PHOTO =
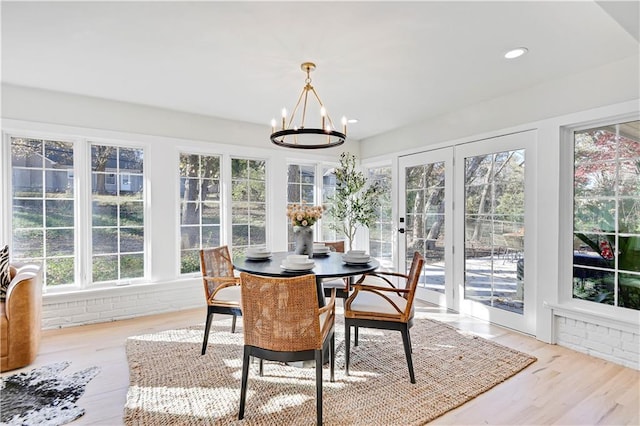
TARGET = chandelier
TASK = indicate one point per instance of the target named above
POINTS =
(297, 135)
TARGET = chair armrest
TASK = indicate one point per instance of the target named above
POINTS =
(329, 319)
(367, 287)
(218, 284)
(23, 309)
(379, 291)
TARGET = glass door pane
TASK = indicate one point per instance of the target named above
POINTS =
(494, 229)
(425, 221)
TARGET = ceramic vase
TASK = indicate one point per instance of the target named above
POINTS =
(303, 240)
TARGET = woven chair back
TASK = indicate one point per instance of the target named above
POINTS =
(215, 262)
(280, 314)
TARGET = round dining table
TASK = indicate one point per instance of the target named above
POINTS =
(329, 265)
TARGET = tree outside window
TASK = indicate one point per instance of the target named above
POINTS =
(606, 220)
(199, 207)
(249, 204)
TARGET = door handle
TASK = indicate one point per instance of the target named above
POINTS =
(401, 230)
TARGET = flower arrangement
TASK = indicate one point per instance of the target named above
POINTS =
(303, 215)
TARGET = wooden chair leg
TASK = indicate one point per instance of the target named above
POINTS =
(347, 347)
(332, 354)
(356, 336)
(406, 340)
(207, 328)
(245, 377)
(233, 324)
(261, 367)
(318, 356)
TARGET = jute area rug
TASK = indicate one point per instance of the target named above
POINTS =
(172, 384)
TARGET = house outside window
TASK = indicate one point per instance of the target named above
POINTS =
(606, 217)
(117, 221)
(43, 202)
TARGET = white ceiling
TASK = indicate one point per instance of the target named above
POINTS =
(385, 63)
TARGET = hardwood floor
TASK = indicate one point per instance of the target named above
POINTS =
(563, 387)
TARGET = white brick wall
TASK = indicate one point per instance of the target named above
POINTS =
(119, 303)
(602, 341)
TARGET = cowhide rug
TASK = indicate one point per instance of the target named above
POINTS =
(43, 396)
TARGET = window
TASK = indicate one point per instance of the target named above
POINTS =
(301, 187)
(248, 206)
(117, 213)
(43, 207)
(328, 190)
(199, 207)
(381, 230)
(606, 216)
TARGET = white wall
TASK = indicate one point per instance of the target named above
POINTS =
(44, 106)
(613, 83)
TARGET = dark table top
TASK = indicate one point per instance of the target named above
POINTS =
(326, 266)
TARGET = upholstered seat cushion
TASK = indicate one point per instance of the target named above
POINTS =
(229, 294)
(330, 283)
(366, 301)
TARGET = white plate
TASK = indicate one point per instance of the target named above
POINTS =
(260, 257)
(356, 258)
(249, 253)
(301, 267)
(356, 262)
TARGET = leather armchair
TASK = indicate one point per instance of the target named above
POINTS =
(20, 317)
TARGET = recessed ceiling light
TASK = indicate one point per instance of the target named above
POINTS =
(352, 120)
(516, 53)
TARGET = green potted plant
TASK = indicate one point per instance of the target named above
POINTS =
(355, 201)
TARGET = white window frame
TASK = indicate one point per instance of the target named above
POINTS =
(228, 211)
(605, 314)
(81, 175)
(222, 158)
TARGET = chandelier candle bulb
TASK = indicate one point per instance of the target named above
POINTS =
(284, 117)
(344, 124)
(273, 125)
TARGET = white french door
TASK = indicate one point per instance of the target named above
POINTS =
(474, 253)
(494, 195)
(425, 212)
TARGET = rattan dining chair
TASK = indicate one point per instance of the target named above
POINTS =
(221, 287)
(377, 303)
(283, 322)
